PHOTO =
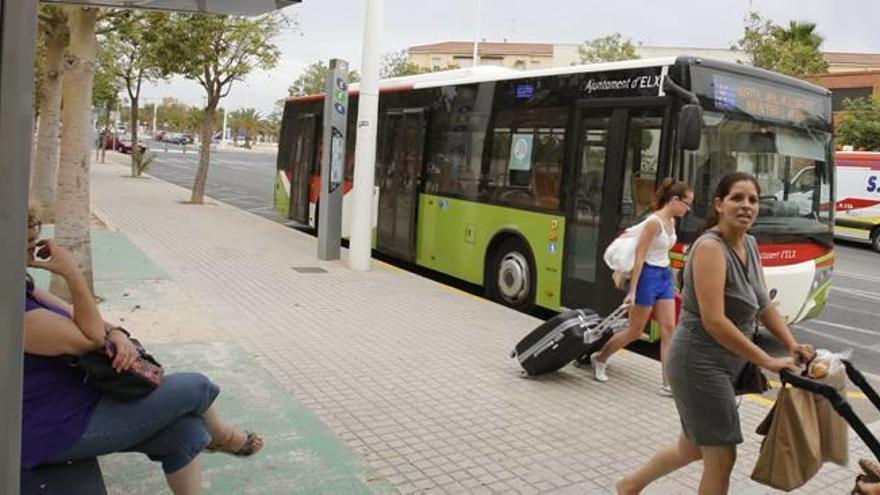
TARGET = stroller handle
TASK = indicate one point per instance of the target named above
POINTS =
(839, 403)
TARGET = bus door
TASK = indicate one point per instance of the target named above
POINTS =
(303, 166)
(398, 175)
(616, 161)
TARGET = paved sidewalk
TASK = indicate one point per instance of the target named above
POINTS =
(413, 377)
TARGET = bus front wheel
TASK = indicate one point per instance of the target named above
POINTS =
(875, 239)
(511, 280)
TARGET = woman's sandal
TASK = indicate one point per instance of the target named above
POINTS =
(871, 469)
(247, 449)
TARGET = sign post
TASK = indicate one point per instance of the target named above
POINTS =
(333, 160)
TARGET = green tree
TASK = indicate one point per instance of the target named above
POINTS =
(217, 51)
(105, 93)
(794, 51)
(609, 48)
(312, 80)
(131, 56)
(860, 124)
(397, 64)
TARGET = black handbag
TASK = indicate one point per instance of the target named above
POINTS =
(751, 380)
(143, 377)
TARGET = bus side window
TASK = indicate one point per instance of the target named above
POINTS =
(640, 170)
(527, 151)
(455, 150)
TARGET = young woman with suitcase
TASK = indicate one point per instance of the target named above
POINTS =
(650, 285)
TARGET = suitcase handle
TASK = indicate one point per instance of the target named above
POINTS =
(605, 324)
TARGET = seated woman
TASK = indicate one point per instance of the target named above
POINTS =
(66, 419)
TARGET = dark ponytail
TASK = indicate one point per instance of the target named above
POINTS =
(668, 189)
(722, 190)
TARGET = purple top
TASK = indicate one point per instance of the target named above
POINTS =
(56, 406)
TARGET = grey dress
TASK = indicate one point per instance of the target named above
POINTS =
(701, 371)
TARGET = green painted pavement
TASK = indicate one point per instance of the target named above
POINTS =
(300, 455)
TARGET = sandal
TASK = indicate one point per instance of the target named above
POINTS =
(252, 444)
(871, 469)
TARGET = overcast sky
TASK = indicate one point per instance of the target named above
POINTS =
(333, 28)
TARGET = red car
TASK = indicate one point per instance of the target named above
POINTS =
(124, 146)
(121, 144)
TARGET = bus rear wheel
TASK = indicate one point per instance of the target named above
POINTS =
(511, 279)
(875, 239)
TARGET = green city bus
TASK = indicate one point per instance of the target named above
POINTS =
(517, 180)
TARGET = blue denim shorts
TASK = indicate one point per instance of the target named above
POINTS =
(655, 284)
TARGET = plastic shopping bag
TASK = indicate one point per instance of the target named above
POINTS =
(620, 255)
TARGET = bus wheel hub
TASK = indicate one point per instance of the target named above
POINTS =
(513, 277)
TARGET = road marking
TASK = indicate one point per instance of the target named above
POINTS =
(857, 276)
(869, 295)
(851, 309)
(759, 399)
(846, 327)
(833, 337)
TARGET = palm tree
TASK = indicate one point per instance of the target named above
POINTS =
(800, 33)
(250, 124)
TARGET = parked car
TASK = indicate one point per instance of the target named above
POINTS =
(125, 146)
(175, 138)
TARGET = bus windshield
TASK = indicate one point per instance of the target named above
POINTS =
(790, 163)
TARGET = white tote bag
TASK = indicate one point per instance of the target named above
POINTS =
(620, 255)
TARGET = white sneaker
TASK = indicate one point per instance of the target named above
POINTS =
(598, 368)
(665, 391)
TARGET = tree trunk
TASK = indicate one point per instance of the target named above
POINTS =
(135, 156)
(198, 190)
(72, 211)
(45, 171)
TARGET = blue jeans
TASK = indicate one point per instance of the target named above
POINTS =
(166, 425)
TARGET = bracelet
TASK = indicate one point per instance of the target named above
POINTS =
(109, 328)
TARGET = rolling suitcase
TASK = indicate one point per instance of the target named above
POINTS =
(564, 338)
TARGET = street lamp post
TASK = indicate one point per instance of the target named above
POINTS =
(223, 136)
(365, 147)
(476, 53)
(155, 113)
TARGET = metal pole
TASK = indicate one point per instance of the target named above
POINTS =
(223, 137)
(155, 113)
(365, 148)
(18, 26)
(476, 54)
(333, 160)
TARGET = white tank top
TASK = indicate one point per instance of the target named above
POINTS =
(658, 252)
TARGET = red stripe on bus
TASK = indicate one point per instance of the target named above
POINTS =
(853, 203)
(774, 254)
(790, 254)
(315, 188)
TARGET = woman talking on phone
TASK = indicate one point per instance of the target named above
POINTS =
(65, 418)
(650, 285)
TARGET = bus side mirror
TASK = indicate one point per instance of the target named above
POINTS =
(690, 127)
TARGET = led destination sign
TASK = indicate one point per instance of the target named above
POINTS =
(766, 102)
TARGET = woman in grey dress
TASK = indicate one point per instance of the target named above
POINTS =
(723, 295)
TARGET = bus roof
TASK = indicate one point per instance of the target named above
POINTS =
(486, 73)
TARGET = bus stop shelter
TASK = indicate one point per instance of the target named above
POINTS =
(18, 26)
